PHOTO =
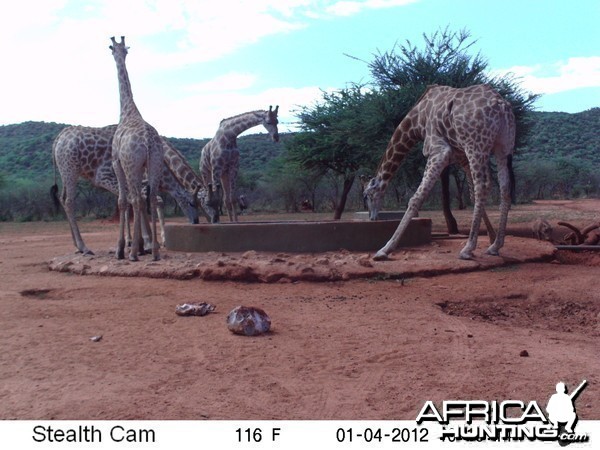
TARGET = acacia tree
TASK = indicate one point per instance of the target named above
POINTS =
(347, 131)
(445, 59)
(337, 137)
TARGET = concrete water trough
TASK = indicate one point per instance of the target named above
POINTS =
(293, 236)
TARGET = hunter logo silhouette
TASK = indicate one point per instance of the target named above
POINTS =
(561, 406)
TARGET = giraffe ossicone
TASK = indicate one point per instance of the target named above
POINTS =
(468, 124)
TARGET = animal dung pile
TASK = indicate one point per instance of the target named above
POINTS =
(248, 321)
(194, 309)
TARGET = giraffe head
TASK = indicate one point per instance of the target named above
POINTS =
(119, 49)
(211, 201)
(270, 123)
(191, 209)
(373, 196)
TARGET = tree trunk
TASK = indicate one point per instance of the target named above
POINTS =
(348, 182)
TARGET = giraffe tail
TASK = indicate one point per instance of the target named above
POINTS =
(54, 188)
(148, 202)
(54, 195)
(511, 174)
(149, 185)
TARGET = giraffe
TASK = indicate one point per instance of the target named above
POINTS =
(465, 123)
(205, 195)
(86, 152)
(220, 157)
(136, 148)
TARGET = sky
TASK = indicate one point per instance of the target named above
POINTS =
(194, 62)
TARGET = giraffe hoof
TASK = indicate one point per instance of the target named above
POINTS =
(380, 256)
(133, 258)
(465, 256)
(492, 251)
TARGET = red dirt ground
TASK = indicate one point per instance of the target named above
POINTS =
(373, 348)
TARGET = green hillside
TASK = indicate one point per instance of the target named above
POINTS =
(26, 149)
(559, 158)
(555, 134)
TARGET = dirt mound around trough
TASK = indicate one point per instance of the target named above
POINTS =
(439, 257)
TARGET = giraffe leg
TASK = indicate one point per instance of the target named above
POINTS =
(123, 205)
(439, 158)
(160, 212)
(489, 227)
(488, 224)
(146, 241)
(145, 244)
(216, 200)
(153, 213)
(154, 170)
(67, 199)
(137, 203)
(128, 221)
(504, 181)
(134, 190)
(128, 236)
(227, 196)
(481, 180)
(233, 174)
(219, 190)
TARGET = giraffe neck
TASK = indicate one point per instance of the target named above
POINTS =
(128, 107)
(233, 126)
(180, 168)
(406, 135)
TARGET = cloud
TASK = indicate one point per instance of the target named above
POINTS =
(63, 71)
(348, 8)
(574, 73)
(199, 115)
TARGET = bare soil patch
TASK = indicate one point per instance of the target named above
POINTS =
(346, 348)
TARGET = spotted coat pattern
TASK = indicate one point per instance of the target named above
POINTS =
(467, 124)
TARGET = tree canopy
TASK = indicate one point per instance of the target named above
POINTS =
(346, 131)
